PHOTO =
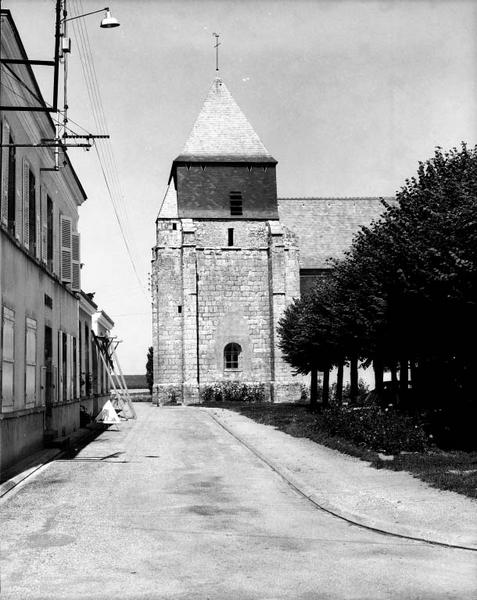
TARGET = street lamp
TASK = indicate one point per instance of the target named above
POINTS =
(106, 23)
(60, 48)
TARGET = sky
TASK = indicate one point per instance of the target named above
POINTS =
(348, 96)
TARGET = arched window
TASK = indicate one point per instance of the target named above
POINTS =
(231, 356)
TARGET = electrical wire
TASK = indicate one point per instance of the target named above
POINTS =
(103, 147)
(54, 118)
(120, 224)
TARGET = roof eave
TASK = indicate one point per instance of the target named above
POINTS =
(214, 159)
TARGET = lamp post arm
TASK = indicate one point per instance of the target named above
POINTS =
(85, 15)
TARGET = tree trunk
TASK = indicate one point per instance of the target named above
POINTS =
(394, 377)
(353, 373)
(403, 376)
(413, 368)
(378, 376)
(314, 389)
(325, 397)
(339, 384)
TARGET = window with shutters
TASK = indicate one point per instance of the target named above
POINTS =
(30, 361)
(49, 233)
(236, 208)
(8, 356)
(23, 233)
(75, 263)
(32, 215)
(231, 357)
(75, 367)
(65, 249)
(64, 366)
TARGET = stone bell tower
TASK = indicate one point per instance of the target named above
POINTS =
(223, 266)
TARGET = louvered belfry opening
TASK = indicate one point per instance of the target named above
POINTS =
(236, 206)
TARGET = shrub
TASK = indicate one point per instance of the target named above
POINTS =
(371, 427)
(233, 391)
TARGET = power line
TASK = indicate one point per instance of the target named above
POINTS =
(120, 225)
(54, 118)
(103, 149)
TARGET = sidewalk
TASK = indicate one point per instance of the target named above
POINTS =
(26, 467)
(393, 502)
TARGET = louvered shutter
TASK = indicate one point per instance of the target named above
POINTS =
(44, 227)
(38, 206)
(26, 204)
(59, 393)
(22, 215)
(69, 370)
(76, 263)
(65, 249)
(5, 174)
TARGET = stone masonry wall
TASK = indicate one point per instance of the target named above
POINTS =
(233, 300)
(167, 313)
(284, 287)
(228, 294)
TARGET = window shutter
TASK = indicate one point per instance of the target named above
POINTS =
(69, 370)
(76, 263)
(8, 357)
(59, 388)
(44, 227)
(5, 174)
(38, 226)
(26, 204)
(65, 248)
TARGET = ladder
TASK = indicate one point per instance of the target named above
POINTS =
(121, 399)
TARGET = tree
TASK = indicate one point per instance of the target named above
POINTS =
(149, 369)
(417, 271)
(308, 336)
(406, 291)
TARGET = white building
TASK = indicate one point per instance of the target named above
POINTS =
(40, 339)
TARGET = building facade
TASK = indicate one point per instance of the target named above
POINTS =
(40, 345)
(230, 256)
(223, 268)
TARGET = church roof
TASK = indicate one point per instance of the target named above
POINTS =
(325, 227)
(222, 132)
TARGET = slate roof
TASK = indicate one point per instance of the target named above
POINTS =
(325, 227)
(222, 132)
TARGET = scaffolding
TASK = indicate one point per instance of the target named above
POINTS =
(120, 397)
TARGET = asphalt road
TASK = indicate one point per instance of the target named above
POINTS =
(173, 506)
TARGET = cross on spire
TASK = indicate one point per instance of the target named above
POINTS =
(217, 44)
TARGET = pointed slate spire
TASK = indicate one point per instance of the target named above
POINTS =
(222, 132)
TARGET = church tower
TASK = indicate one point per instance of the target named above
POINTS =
(223, 267)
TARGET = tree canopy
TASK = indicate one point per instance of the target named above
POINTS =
(408, 285)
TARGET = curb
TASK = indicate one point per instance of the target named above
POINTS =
(357, 519)
(40, 459)
(11, 483)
